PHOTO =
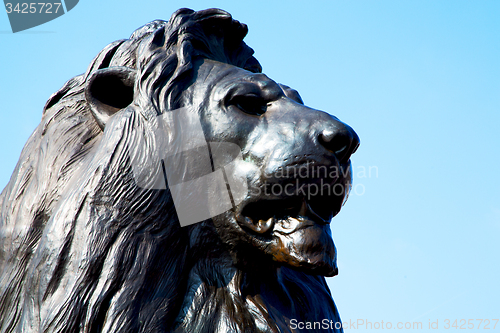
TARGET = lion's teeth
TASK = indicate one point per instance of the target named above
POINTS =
(290, 224)
(244, 219)
(264, 226)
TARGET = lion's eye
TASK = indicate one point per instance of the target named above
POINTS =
(251, 104)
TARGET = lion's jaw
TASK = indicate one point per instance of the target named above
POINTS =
(280, 138)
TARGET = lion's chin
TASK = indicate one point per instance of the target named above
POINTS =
(305, 246)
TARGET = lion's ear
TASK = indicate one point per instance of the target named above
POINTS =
(109, 90)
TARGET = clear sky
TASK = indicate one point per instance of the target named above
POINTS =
(419, 81)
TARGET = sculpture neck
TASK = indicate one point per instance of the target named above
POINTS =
(218, 293)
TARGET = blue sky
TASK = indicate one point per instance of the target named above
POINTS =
(419, 81)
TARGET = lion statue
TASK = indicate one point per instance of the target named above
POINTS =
(89, 244)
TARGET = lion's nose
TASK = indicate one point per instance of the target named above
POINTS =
(340, 139)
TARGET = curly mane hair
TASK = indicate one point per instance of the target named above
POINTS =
(83, 248)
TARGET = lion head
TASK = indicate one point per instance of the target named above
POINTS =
(89, 243)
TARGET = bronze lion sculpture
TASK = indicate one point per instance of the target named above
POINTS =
(84, 247)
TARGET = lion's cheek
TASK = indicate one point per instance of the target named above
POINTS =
(310, 250)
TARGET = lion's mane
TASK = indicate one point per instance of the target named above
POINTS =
(82, 247)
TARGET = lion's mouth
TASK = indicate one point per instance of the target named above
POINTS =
(289, 214)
